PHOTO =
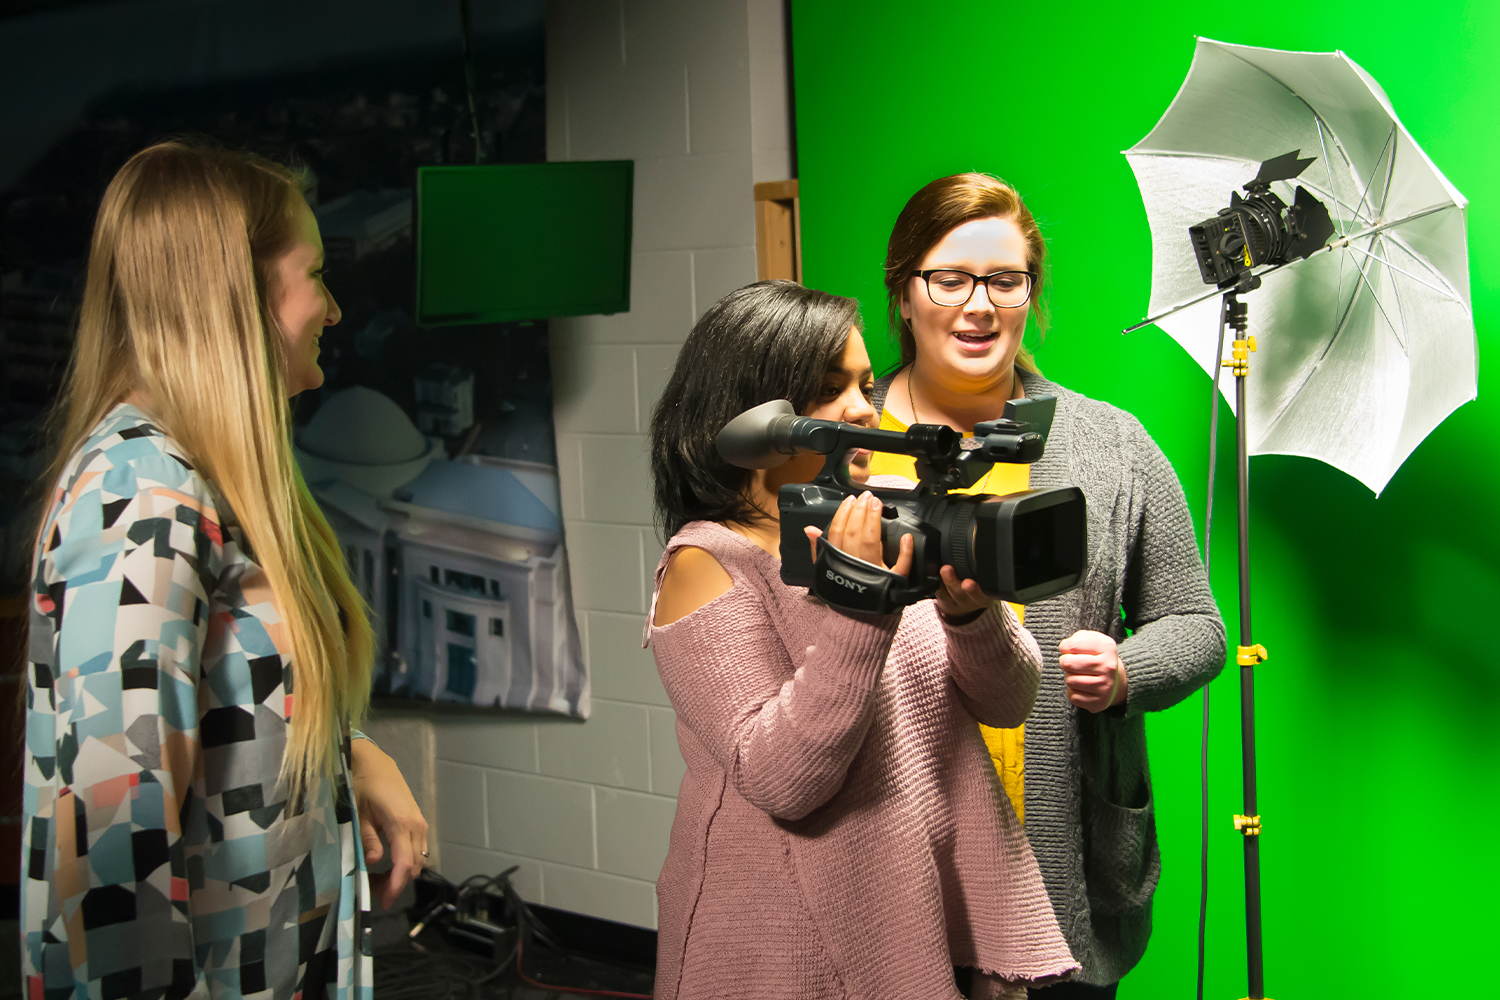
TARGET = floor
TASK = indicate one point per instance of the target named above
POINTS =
(433, 968)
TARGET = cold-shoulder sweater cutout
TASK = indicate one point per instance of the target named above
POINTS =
(840, 831)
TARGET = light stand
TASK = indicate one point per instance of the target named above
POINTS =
(1235, 316)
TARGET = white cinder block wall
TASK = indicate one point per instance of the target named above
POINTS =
(695, 93)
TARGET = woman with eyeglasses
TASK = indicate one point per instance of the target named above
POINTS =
(964, 268)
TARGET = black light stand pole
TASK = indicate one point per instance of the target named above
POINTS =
(1249, 654)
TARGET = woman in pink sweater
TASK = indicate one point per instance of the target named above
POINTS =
(840, 832)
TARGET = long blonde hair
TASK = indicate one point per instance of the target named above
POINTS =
(178, 306)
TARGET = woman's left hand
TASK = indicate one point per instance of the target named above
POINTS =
(386, 807)
(1092, 670)
(960, 599)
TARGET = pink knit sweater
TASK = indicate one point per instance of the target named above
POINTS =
(840, 832)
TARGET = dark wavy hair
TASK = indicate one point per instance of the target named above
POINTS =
(769, 340)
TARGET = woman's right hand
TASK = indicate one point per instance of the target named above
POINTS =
(855, 531)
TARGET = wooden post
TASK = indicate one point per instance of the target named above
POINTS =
(778, 231)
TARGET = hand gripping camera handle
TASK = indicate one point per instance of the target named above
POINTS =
(846, 582)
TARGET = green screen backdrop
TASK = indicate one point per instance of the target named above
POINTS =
(1379, 709)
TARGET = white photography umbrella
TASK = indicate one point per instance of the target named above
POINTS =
(1364, 347)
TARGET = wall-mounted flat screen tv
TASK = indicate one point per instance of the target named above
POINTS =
(523, 241)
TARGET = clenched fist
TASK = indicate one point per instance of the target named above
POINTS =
(1092, 670)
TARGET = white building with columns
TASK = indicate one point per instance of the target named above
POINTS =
(461, 562)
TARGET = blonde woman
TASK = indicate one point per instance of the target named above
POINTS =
(198, 652)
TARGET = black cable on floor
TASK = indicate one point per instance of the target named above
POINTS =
(530, 928)
(405, 975)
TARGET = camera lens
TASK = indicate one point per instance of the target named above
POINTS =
(1023, 547)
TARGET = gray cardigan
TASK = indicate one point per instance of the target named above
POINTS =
(1089, 811)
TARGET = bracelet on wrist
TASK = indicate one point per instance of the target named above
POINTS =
(959, 620)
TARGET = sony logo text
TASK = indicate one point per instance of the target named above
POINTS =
(842, 582)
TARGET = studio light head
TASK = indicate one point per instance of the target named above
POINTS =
(1022, 547)
(1261, 229)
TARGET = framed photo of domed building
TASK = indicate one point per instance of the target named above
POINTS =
(431, 450)
(458, 549)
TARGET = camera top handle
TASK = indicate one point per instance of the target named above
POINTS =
(765, 436)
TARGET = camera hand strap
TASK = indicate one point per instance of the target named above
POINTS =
(846, 582)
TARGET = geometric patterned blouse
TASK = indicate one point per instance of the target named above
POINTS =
(160, 858)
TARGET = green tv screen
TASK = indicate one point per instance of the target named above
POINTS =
(522, 241)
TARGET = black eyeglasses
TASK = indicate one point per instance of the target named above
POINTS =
(949, 287)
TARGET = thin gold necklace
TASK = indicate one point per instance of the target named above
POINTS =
(912, 402)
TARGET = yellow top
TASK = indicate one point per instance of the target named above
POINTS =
(1007, 746)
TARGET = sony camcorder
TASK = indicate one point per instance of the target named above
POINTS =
(1022, 547)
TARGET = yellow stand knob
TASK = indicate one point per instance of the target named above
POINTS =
(1248, 825)
(1240, 356)
(1249, 656)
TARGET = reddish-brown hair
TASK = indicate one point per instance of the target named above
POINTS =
(934, 212)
